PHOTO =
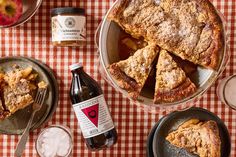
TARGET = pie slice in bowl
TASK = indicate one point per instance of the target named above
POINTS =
(191, 29)
(132, 73)
(201, 138)
(172, 84)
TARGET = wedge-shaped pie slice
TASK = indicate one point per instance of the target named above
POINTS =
(132, 73)
(16, 91)
(201, 138)
(172, 84)
(19, 97)
(191, 29)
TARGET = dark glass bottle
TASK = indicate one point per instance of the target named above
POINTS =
(91, 110)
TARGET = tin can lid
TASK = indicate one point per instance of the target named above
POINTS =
(75, 66)
(67, 10)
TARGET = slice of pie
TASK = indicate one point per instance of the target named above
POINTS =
(132, 73)
(19, 97)
(17, 91)
(172, 84)
(191, 29)
(201, 138)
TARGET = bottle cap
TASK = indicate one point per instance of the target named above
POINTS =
(75, 66)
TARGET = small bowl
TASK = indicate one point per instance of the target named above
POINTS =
(29, 9)
(60, 127)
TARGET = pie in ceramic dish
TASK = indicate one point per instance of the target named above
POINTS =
(200, 138)
(190, 29)
(17, 90)
(172, 84)
(132, 73)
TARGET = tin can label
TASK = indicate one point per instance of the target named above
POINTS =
(93, 116)
(68, 28)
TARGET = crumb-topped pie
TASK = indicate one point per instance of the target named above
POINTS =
(172, 84)
(132, 73)
(191, 29)
(201, 138)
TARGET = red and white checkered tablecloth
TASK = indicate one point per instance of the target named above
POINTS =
(133, 124)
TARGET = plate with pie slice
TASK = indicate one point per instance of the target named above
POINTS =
(19, 82)
(192, 33)
(195, 132)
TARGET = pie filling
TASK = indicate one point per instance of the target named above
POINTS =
(3, 110)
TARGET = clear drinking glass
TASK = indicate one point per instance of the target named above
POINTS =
(226, 91)
(54, 141)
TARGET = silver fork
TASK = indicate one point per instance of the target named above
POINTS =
(38, 103)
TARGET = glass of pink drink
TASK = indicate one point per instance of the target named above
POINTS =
(226, 91)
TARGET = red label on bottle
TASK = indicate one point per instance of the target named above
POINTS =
(92, 113)
(93, 116)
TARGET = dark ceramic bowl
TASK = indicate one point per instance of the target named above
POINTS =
(149, 150)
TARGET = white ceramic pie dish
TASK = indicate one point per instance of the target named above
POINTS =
(109, 32)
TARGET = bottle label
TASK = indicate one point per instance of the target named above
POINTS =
(93, 116)
(68, 28)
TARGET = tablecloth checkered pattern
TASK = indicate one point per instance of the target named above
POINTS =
(32, 39)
